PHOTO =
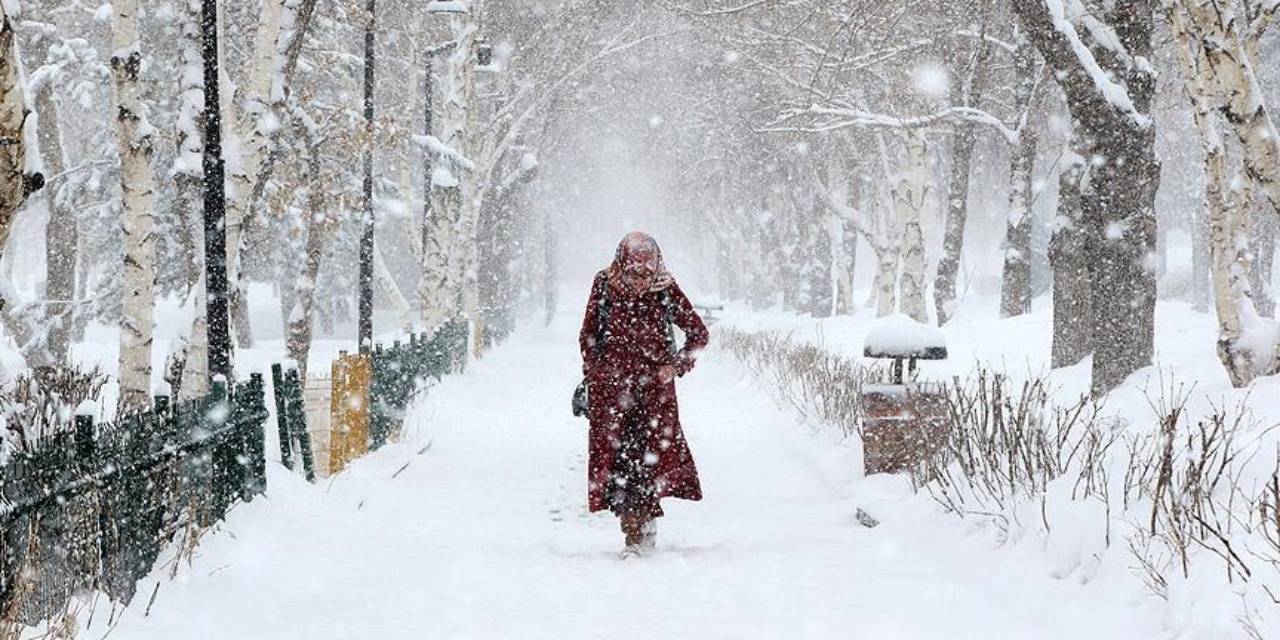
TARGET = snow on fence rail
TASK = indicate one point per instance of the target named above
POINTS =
(91, 506)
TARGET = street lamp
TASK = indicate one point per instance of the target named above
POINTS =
(215, 201)
(365, 329)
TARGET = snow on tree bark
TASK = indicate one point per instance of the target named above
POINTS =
(1072, 306)
(957, 216)
(1227, 65)
(15, 184)
(1227, 213)
(1110, 109)
(134, 137)
(1015, 289)
(909, 199)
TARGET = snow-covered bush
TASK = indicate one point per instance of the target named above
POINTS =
(39, 404)
(811, 380)
(1186, 505)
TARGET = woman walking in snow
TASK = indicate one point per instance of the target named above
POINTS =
(637, 451)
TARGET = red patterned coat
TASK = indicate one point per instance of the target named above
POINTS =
(622, 378)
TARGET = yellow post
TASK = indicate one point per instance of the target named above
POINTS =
(349, 407)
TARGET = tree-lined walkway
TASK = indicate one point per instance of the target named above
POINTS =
(484, 535)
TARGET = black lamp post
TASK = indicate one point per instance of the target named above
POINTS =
(366, 238)
(215, 199)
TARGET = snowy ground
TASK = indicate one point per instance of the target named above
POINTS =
(475, 527)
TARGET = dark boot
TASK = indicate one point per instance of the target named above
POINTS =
(633, 529)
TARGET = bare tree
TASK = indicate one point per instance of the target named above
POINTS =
(16, 177)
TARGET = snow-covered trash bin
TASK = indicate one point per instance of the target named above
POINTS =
(904, 421)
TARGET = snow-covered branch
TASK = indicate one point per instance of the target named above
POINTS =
(833, 118)
(1110, 90)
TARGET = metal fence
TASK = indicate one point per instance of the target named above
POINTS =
(400, 370)
(91, 507)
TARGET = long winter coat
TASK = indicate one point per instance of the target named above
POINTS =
(622, 378)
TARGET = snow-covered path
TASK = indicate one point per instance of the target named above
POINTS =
(484, 534)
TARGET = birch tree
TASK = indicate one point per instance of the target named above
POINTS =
(1227, 208)
(282, 25)
(909, 201)
(61, 234)
(453, 181)
(1015, 289)
(134, 136)
(968, 85)
(16, 174)
(1223, 31)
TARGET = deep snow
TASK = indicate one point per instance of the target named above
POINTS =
(484, 534)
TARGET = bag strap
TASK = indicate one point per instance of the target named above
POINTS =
(668, 312)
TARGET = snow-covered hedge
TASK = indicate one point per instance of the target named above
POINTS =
(1187, 506)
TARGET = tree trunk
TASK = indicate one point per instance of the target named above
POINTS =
(910, 198)
(448, 248)
(195, 371)
(133, 134)
(61, 235)
(466, 268)
(1119, 203)
(1201, 293)
(1228, 217)
(14, 183)
(188, 176)
(300, 318)
(1221, 30)
(187, 171)
(848, 250)
(1265, 224)
(821, 285)
(550, 283)
(254, 143)
(944, 284)
(1072, 311)
(1015, 289)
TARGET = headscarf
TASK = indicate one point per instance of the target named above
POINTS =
(638, 248)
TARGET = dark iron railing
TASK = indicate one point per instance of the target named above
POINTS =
(91, 507)
(400, 371)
